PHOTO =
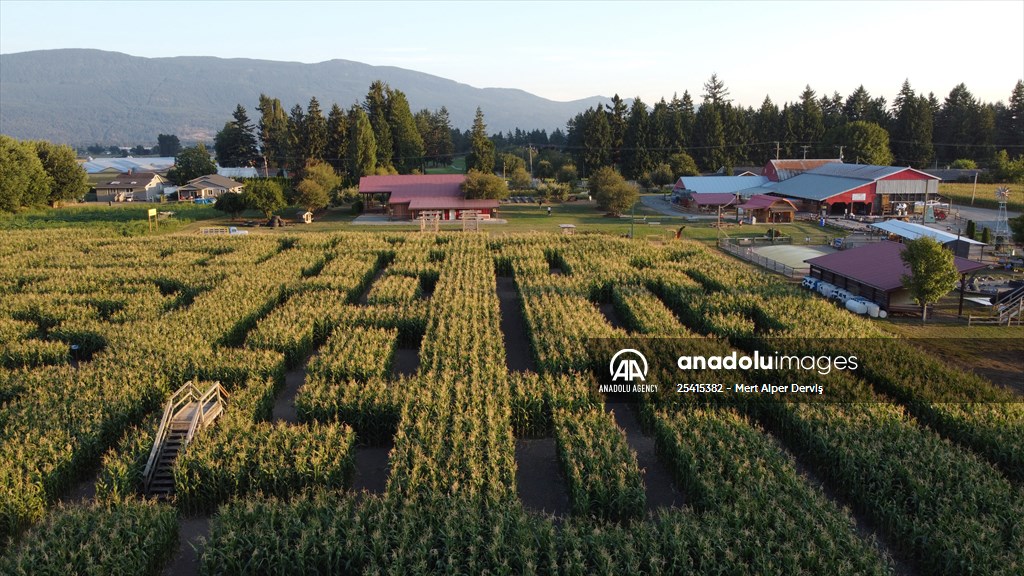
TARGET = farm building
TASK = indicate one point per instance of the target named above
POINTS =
(856, 189)
(875, 272)
(209, 186)
(960, 245)
(405, 197)
(710, 201)
(767, 209)
(131, 187)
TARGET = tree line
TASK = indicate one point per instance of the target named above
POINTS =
(380, 135)
(915, 130)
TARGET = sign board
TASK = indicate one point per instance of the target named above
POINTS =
(862, 197)
(152, 212)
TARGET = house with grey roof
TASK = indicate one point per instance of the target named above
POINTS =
(209, 186)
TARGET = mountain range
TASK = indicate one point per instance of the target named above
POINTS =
(81, 97)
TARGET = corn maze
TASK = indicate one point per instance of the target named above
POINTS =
(903, 474)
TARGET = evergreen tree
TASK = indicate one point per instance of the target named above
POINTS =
(273, 132)
(687, 118)
(337, 138)
(660, 126)
(958, 126)
(296, 156)
(442, 127)
(832, 111)
(635, 158)
(677, 132)
(1012, 123)
(482, 154)
(810, 121)
(709, 138)
(617, 125)
(377, 110)
(858, 105)
(766, 130)
(737, 133)
(235, 144)
(314, 133)
(715, 92)
(408, 143)
(597, 140)
(362, 151)
(911, 140)
(788, 131)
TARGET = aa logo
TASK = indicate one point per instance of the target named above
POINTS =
(628, 364)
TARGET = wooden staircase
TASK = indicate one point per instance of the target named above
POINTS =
(187, 412)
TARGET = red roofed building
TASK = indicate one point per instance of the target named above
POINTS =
(875, 272)
(767, 209)
(406, 196)
(711, 200)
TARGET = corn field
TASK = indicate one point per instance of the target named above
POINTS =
(912, 462)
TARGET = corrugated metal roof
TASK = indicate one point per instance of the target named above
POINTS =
(913, 231)
(718, 184)
(877, 265)
(786, 169)
(861, 171)
(809, 186)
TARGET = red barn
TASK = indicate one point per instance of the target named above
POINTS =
(856, 188)
(404, 197)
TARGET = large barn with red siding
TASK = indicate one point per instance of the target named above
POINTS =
(405, 197)
(838, 189)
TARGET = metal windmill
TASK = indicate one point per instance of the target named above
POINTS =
(1002, 232)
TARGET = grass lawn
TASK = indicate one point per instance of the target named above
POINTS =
(129, 219)
(458, 166)
(986, 195)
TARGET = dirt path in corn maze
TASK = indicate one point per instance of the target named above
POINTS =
(186, 560)
(539, 479)
(372, 467)
(406, 362)
(659, 486)
(284, 404)
(608, 309)
(518, 356)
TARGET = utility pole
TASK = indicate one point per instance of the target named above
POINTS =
(805, 147)
(777, 150)
(840, 152)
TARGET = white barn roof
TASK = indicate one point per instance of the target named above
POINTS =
(912, 231)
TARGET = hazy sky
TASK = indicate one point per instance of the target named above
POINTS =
(570, 50)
